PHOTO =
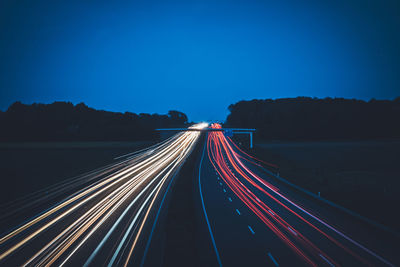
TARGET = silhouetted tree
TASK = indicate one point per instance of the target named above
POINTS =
(305, 118)
(177, 117)
(62, 121)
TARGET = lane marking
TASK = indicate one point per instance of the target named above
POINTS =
(238, 212)
(204, 210)
(251, 230)
(291, 230)
(230, 199)
(224, 190)
(220, 183)
(273, 259)
(331, 227)
(318, 219)
(258, 199)
(325, 259)
(271, 212)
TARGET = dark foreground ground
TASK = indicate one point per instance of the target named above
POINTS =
(361, 176)
(330, 168)
(29, 167)
(188, 242)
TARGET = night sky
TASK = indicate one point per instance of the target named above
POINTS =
(196, 56)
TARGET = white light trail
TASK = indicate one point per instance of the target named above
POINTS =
(130, 188)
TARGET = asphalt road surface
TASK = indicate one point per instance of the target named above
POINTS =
(254, 221)
(98, 218)
(245, 216)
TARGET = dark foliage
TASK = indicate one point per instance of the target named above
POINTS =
(305, 118)
(63, 121)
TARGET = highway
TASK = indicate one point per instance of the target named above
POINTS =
(101, 218)
(253, 220)
(244, 216)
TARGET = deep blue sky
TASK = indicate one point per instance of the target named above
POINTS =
(196, 56)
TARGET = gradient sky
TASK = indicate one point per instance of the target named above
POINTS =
(196, 56)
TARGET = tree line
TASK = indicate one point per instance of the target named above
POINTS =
(306, 118)
(64, 121)
(301, 118)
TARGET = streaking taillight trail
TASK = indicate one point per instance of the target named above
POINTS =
(228, 164)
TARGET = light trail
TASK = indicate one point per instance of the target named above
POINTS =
(126, 191)
(229, 166)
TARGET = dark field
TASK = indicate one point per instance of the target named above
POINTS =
(29, 167)
(361, 176)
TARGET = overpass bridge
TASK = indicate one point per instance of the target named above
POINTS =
(227, 131)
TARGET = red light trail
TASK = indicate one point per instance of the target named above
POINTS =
(228, 164)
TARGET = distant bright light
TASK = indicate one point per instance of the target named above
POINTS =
(201, 125)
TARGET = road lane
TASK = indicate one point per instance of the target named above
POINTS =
(239, 199)
(102, 221)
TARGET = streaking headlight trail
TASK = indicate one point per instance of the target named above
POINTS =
(103, 220)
